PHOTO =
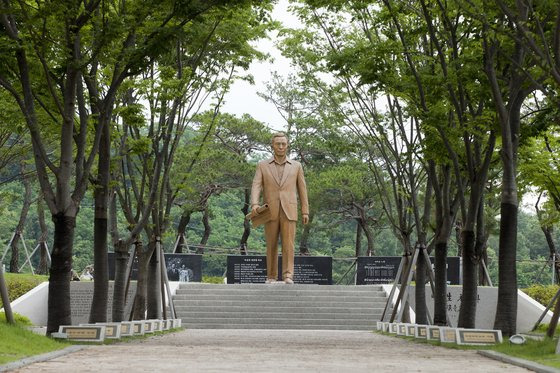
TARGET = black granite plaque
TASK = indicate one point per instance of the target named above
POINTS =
(180, 267)
(373, 270)
(312, 270)
(242, 269)
(246, 269)
(383, 269)
(453, 270)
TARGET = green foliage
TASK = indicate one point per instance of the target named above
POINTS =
(18, 319)
(18, 342)
(542, 293)
(19, 284)
(543, 328)
(212, 279)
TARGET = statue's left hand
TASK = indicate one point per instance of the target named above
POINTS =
(305, 219)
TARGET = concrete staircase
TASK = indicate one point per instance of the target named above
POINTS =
(279, 306)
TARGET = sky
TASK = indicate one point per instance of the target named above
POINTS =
(242, 97)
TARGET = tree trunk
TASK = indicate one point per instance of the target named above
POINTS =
(121, 279)
(14, 262)
(246, 223)
(181, 230)
(144, 256)
(506, 311)
(98, 312)
(421, 229)
(459, 237)
(481, 247)
(43, 263)
(553, 320)
(358, 238)
(154, 284)
(467, 313)
(440, 286)
(407, 261)
(420, 289)
(60, 273)
(43, 267)
(207, 231)
(547, 230)
(370, 239)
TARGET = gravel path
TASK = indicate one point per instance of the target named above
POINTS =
(271, 351)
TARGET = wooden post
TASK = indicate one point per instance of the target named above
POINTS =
(26, 254)
(176, 244)
(403, 294)
(393, 288)
(162, 272)
(165, 280)
(7, 248)
(30, 256)
(486, 274)
(550, 304)
(431, 277)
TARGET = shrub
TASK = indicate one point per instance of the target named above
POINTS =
(19, 284)
(213, 279)
(542, 293)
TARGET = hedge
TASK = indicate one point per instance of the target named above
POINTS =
(19, 284)
(542, 293)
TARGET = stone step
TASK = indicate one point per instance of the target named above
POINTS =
(311, 310)
(279, 306)
(190, 315)
(276, 303)
(279, 321)
(279, 292)
(273, 287)
(270, 326)
(274, 297)
(289, 293)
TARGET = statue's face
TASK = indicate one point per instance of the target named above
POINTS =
(280, 146)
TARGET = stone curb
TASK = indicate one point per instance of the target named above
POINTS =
(536, 367)
(39, 358)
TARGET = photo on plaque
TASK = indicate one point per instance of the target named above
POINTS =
(180, 267)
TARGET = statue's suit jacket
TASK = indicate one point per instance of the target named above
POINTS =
(280, 193)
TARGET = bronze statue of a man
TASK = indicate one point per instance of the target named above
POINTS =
(281, 181)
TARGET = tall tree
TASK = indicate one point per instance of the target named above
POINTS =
(202, 64)
(44, 71)
(37, 67)
(510, 86)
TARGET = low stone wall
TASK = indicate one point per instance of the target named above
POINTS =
(528, 309)
(34, 303)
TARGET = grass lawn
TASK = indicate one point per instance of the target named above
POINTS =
(542, 352)
(16, 342)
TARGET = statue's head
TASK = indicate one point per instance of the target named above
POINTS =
(279, 144)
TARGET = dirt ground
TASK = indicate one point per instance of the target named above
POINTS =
(271, 351)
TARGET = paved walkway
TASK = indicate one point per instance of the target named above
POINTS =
(284, 351)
